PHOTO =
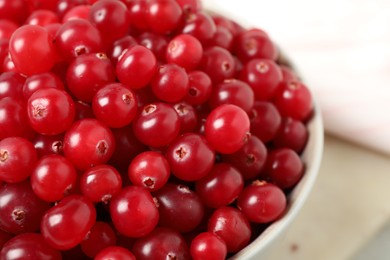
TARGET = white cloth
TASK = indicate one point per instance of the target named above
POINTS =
(341, 49)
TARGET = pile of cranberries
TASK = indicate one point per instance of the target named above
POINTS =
(141, 129)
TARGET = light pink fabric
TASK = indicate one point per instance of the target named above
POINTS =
(342, 50)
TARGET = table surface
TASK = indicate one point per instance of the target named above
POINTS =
(347, 208)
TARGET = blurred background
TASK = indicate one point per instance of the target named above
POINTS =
(341, 48)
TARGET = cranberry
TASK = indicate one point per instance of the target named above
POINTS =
(227, 128)
(218, 63)
(88, 143)
(179, 208)
(11, 84)
(162, 243)
(136, 206)
(32, 50)
(262, 202)
(53, 177)
(20, 209)
(187, 115)
(150, 170)
(231, 226)
(42, 18)
(65, 225)
(41, 81)
(99, 237)
(163, 16)
(17, 159)
(28, 246)
(221, 186)
(200, 25)
(120, 46)
(292, 134)
(157, 124)
(157, 43)
(190, 157)
(115, 253)
(265, 120)
(16, 11)
(77, 12)
(185, 51)
(199, 87)
(208, 246)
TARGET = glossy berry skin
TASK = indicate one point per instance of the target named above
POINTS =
(16, 11)
(284, 168)
(99, 237)
(110, 17)
(157, 124)
(40, 81)
(231, 226)
(136, 67)
(115, 253)
(262, 202)
(254, 43)
(232, 91)
(190, 157)
(170, 83)
(53, 177)
(29, 246)
(88, 143)
(221, 186)
(218, 63)
(199, 25)
(187, 115)
(294, 100)
(184, 50)
(163, 16)
(48, 144)
(100, 183)
(66, 224)
(77, 12)
(179, 207)
(155, 42)
(227, 128)
(199, 87)
(162, 243)
(32, 50)
(115, 105)
(20, 209)
(17, 159)
(42, 18)
(265, 120)
(4, 237)
(84, 83)
(250, 159)
(14, 120)
(208, 246)
(11, 84)
(136, 206)
(149, 170)
(50, 111)
(263, 76)
(292, 134)
(77, 37)
(119, 47)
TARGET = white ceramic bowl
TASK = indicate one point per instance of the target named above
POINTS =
(263, 245)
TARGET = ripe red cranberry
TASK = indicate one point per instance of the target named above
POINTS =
(42, 18)
(77, 12)
(222, 38)
(292, 134)
(179, 207)
(115, 105)
(136, 67)
(4, 237)
(119, 47)
(110, 17)
(150, 170)
(50, 111)
(155, 42)
(7, 28)
(21, 210)
(77, 37)
(11, 84)
(187, 115)
(88, 143)
(16, 10)
(32, 50)
(190, 6)
(133, 212)
(208, 246)
(185, 50)
(250, 159)
(163, 16)
(231, 226)
(17, 159)
(115, 253)
(265, 120)
(84, 83)
(284, 167)
(41, 81)
(98, 238)
(200, 25)
(66, 224)
(29, 246)
(218, 63)
(53, 177)
(199, 87)
(262, 202)
(157, 124)
(162, 243)
(293, 99)
(190, 157)
(138, 14)
(263, 76)
(227, 128)
(63, 6)
(100, 183)
(221, 186)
